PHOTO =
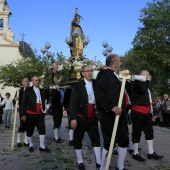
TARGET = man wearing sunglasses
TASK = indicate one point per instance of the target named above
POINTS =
(83, 116)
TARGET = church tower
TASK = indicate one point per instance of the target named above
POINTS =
(5, 13)
(9, 50)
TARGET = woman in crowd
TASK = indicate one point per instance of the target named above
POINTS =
(8, 109)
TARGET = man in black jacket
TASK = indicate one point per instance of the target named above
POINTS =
(56, 111)
(83, 116)
(22, 127)
(107, 92)
(33, 105)
(141, 116)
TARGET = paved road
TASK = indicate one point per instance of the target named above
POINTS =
(63, 156)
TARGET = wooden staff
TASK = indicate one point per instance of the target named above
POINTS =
(15, 117)
(124, 78)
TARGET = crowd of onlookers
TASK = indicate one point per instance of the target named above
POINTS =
(161, 111)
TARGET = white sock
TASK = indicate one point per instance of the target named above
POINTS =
(19, 137)
(56, 133)
(104, 158)
(150, 146)
(71, 134)
(79, 156)
(135, 148)
(42, 138)
(97, 151)
(130, 146)
(25, 138)
(121, 157)
(30, 141)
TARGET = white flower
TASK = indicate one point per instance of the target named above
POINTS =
(60, 67)
(94, 67)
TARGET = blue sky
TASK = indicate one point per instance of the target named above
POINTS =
(115, 21)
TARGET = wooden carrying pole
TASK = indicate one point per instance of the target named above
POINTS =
(15, 117)
(124, 78)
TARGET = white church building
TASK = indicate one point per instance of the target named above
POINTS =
(9, 50)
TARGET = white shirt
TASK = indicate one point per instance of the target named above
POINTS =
(37, 92)
(90, 92)
(8, 103)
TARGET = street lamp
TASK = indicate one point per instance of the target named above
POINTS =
(45, 50)
(107, 48)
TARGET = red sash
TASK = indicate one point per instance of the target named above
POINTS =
(91, 110)
(142, 109)
(38, 110)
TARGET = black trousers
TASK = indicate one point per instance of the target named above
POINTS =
(33, 121)
(57, 115)
(22, 126)
(141, 122)
(107, 122)
(1, 117)
(91, 127)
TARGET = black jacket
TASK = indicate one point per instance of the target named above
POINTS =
(67, 97)
(107, 91)
(79, 100)
(140, 95)
(55, 97)
(29, 100)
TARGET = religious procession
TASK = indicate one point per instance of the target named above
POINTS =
(80, 113)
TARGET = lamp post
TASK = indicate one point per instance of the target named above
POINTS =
(45, 50)
(107, 48)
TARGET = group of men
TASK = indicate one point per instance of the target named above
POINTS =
(103, 95)
(89, 96)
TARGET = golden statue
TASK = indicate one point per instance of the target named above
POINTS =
(77, 35)
(76, 40)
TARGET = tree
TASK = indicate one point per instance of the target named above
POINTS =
(12, 74)
(152, 43)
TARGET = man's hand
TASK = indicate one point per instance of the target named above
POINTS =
(23, 118)
(74, 124)
(16, 98)
(117, 110)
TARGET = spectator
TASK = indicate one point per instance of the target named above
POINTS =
(1, 109)
(167, 112)
(8, 109)
(164, 115)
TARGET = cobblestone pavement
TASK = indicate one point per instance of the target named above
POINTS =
(62, 156)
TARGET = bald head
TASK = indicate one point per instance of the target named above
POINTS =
(35, 81)
(146, 74)
(110, 58)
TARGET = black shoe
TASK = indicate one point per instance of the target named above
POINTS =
(19, 145)
(97, 166)
(59, 140)
(118, 169)
(71, 142)
(115, 152)
(31, 149)
(81, 166)
(26, 144)
(44, 150)
(138, 158)
(154, 156)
